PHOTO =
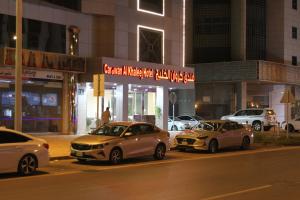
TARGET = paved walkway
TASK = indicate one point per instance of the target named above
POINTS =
(59, 145)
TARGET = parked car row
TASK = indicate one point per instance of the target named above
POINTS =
(120, 140)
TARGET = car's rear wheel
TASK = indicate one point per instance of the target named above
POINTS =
(291, 128)
(256, 126)
(27, 165)
(116, 156)
(174, 128)
(245, 143)
(213, 146)
(160, 152)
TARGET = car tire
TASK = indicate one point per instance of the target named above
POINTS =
(256, 126)
(213, 146)
(80, 160)
(291, 128)
(116, 156)
(245, 143)
(174, 128)
(160, 152)
(27, 165)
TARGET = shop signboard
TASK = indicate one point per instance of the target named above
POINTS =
(44, 60)
(8, 73)
(174, 76)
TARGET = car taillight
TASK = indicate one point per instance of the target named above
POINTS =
(46, 145)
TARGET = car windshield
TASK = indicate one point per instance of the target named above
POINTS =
(207, 126)
(108, 130)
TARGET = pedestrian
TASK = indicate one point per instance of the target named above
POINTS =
(105, 116)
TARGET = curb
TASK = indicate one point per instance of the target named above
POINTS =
(60, 158)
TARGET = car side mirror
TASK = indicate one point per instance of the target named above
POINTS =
(128, 134)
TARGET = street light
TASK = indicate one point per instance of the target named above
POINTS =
(18, 67)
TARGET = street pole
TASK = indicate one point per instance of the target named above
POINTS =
(18, 67)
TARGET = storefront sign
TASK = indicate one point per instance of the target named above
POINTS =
(49, 75)
(157, 74)
(44, 60)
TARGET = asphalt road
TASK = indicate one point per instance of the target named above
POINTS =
(231, 175)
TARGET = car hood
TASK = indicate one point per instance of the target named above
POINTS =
(197, 133)
(94, 139)
(226, 117)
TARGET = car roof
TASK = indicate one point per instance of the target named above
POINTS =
(127, 123)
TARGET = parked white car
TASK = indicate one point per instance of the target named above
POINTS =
(189, 121)
(116, 141)
(294, 125)
(256, 117)
(175, 125)
(21, 153)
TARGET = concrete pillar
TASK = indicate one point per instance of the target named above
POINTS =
(162, 102)
(238, 29)
(66, 123)
(122, 102)
(241, 94)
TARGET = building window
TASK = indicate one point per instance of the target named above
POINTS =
(294, 32)
(294, 60)
(150, 45)
(294, 4)
(71, 4)
(37, 35)
(155, 7)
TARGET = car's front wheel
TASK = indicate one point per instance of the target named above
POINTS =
(27, 165)
(213, 146)
(245, 143)
(116, 156)
(160, 152)
(290, 127)
(257, 126)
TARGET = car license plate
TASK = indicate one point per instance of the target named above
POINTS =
(184, 143)
(78, 153)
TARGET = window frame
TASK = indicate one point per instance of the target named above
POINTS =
(21, 138)
(139, 27)
(294, 60)
(294, 32)
(295, 4)
(151, 12)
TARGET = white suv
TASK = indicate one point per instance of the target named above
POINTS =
(256, 117)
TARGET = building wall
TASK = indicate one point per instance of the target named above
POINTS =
(291, 18)
(275, 31)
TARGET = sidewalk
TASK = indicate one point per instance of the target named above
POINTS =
(59, 145)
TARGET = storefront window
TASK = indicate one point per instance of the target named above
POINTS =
(87, 105)
(142, 103)
(41, 105)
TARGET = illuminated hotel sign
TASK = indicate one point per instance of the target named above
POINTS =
(157, 74)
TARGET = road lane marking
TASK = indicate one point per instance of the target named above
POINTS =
(238, 192)
(151, 163)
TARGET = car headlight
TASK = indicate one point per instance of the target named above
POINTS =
(98, 146)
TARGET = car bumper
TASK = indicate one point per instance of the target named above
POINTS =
(96, 154)
(198, 145)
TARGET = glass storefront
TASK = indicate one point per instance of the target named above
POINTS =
(41, 105)
(142, 104)
(87, 105)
